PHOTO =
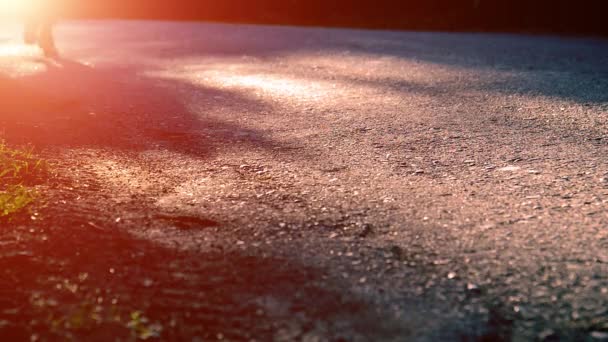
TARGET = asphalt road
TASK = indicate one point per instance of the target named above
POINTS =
(274, 183)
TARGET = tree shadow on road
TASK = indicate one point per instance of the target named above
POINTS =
(73, 273)
(76, 106)
(568, 69)
(572, 70)
(66, 278)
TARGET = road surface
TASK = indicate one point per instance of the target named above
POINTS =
(274, 183)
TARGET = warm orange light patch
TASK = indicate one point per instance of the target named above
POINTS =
(19, 8)
(14, 6)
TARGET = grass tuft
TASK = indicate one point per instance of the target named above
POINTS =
(19, 166)
(19, 171)
(15, 198)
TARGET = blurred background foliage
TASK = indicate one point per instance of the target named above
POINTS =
(555, 16)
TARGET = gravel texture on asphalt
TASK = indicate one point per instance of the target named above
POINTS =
(275, 183)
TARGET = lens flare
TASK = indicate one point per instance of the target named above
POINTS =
(13, 6)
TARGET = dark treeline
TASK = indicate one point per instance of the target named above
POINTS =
(561, 16)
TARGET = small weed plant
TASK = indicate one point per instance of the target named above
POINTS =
(20, 170)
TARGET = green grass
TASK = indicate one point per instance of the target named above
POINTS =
(20, 170)
(14, 199)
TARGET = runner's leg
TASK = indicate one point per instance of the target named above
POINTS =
(30, 31)
(46, 40)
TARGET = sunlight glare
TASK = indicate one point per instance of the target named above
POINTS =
(11, 7)
(19, 8)
(260, 84)
(272, 84)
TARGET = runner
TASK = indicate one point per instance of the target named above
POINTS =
(39, 26)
